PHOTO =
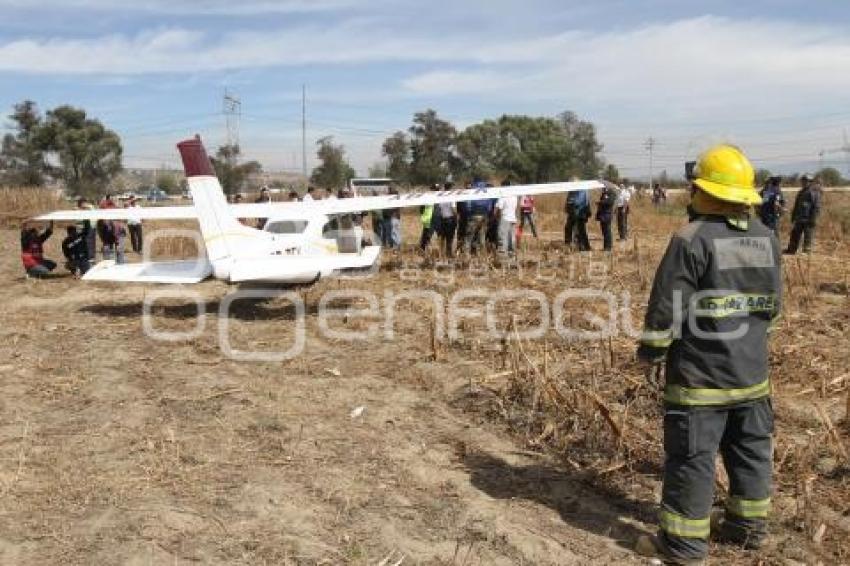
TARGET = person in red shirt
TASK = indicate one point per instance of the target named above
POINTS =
(32, 251)
(526, 209)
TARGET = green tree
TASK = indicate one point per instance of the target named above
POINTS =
(378, 171)
(334, 171)
(167, 181)
(432, 143)
(529, 149)
(396, 149)
(584, 147)
(89, 155)
(231, 174)
(830, 177)
(22, 159)
(482, 150)
(611, 173)
(762, 175)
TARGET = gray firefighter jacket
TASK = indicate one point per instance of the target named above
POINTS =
(716, 295)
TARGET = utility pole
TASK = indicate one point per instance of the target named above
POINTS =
(845, 149)
(232, 110)
(231, 107)
(304, 131)
(650, 146)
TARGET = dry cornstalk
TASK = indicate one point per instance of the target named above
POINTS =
(832, 432)
(811, 275)
(435, 343)
(605, 412)
(847, 410)
(789, 284)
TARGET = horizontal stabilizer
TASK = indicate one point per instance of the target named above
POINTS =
(300, 268)
(190, 271)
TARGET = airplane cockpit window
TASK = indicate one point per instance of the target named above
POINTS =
(331, 228)
(286, 226)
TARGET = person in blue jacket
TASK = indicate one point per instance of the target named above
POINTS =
(578, 213)
(479, 212)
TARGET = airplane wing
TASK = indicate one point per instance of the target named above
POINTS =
(151, 213)
(328, 206)
(422, 198)
(182, 271)
(159, 212)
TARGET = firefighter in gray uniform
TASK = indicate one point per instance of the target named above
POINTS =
(715, 298)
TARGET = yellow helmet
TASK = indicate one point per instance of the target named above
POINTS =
(725, 173)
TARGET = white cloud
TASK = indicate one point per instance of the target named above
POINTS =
(696, 58)
(699, 58)
(185, 7)
(717, 71)
(457, 82)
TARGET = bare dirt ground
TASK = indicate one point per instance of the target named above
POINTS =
(116, 448)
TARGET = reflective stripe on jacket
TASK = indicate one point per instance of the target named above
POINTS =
(425, 215)
(716, 294)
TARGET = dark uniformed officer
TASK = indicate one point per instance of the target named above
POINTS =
(716, 294)
(773, 204)
(804, 215)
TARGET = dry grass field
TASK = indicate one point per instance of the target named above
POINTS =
(402, 447)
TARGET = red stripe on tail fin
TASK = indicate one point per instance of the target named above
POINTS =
(195, 160)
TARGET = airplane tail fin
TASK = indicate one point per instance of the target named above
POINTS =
(216, 222)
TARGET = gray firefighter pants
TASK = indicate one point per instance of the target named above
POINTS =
(692, 437)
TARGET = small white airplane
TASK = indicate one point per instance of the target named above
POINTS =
(298, 243)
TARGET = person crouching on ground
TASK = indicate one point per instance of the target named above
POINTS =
(716, 296)
(75, 249)
(32, 251)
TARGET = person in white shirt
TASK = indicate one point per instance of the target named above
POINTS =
(308, 196)
(507, 207)
(624, 197)
(134, 226)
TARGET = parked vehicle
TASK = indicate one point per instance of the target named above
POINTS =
(157, 195)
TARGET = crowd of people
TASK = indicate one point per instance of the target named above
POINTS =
(79, 247)
(498, 224)
(468, 227)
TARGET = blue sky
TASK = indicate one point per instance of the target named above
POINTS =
(772, 76)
